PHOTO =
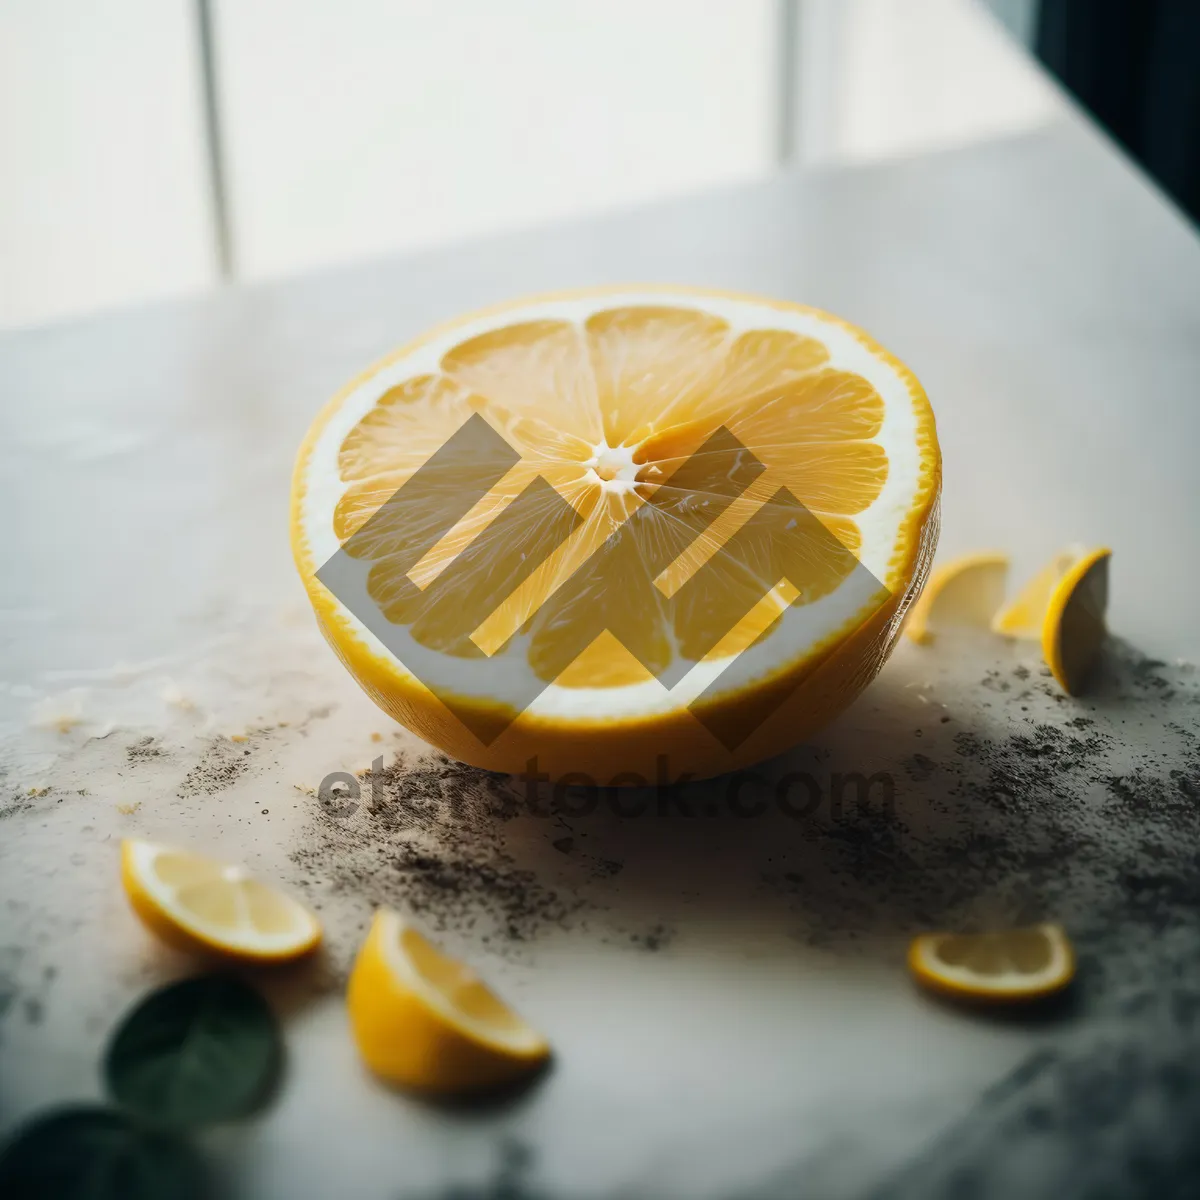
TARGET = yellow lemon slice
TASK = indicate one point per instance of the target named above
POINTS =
(697, 410)
(200, 905)
(425, 1021)
(1019, 964)
(1075, 627)
(965, 592)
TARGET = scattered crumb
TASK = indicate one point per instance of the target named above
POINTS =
(220, 766)
(304, 789)
(429, 838)
(127, 810)
(143, 751)
(239, 737)
(654, 938)
(377, 737)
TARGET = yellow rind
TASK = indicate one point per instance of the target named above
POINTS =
(934, 981)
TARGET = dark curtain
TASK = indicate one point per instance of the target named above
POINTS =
(1136, 65)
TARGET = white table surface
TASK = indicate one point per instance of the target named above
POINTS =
(727, 996)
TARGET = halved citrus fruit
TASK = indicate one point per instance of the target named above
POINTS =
(1014, 965)
(963, 593)
(620, 532)
(204, 906)
(426, 1021)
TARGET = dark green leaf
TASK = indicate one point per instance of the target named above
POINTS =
(93, 1153)
(200, 1051)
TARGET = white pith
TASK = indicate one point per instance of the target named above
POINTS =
(881, 524)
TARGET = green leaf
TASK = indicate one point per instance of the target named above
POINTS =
(93, 1153)
(204, 1050)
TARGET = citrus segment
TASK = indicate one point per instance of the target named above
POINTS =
(651, 362)
(670, 474)
(1014, 965)
(963, 593)
(759, 362)
(532, 371)
(423, 1020)
(201, 905)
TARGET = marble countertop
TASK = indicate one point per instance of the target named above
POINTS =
(726, 993)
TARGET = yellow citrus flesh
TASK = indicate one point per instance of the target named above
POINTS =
(1074, 628)
(1015, 965)
(965, 592)
(1025, 615)
(202, 906)
(425, 1021)
(604, 396)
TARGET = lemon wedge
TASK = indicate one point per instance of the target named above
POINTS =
(1063, 606)
(1075, 628)
(1015, 965)
(426, 1021)
(965, 592)
(201, 905)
